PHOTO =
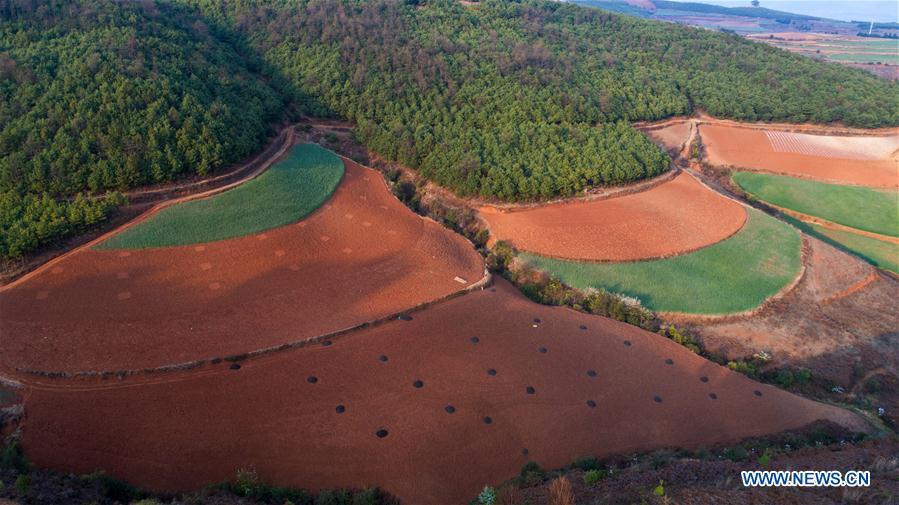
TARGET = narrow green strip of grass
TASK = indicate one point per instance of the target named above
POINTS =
(865, 209)
(288, 191)
(876, 252)
(734, 275)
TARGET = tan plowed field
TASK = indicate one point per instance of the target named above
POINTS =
(858, 160)
(672, 136)
(361, 256)
(466, 392)
(674, 217)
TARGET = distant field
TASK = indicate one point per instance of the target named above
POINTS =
(286, 192)
(866, 209)
(877, 252)
(734, 275)
(842, 48)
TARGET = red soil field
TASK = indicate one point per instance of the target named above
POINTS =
(362, 256)
(675, 217)
(753, 149)
(599, 387)
(671, 137)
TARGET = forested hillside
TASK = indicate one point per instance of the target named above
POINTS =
(506, 99)
(99, 94)
(522, 100)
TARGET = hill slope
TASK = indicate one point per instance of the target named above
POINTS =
(509, 100)
(97, 95)
(502, 99)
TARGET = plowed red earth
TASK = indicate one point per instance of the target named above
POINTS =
(185, 429)
(752, 149)
(362, 256)
(674, 217)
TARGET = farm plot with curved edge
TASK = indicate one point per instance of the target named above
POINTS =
(862, 161)
(459, 396)
(288, 191)
(671, 136)
(363, 255)
(879, 253)
(734, 275)
(867, 209)
(674, 217)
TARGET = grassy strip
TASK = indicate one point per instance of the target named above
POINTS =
(733, 275)
(288, 191)
(877, 252)
(866, 209)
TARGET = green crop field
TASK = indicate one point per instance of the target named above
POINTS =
(288, 191)
(734, 275)
(866, 209)
(877, 252)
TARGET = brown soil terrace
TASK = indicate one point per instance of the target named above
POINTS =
(670, 135)
(459, 396)
(753, 150)
(672, 218)
(360, 257)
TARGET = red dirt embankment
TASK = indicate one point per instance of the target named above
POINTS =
(826, 158)
(362, 256)
(310, 417)
(675, 217)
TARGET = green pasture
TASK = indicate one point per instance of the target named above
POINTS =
(288, 191)
(865, 209)
(877, 252)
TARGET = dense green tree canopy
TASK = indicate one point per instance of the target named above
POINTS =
(100, 94)
(514, 100)
(523, 100)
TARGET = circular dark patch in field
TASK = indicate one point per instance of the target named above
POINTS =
(757, 393)
(669, 361)
(474, 340)
(713, 396)
(657, 399)
(591, 404)
(530, 390)
(449, 409)
(583, 326)
(312, 379)
(382, 358)
(491, 372)
(340, 409)
(327, 343)
(627, 343)
(542, 350)
(381, 433)
(488, 420)
(704, 379)
(405, 317)
(234, 366)
(525, 451)
(591, 373)
(418, 384)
